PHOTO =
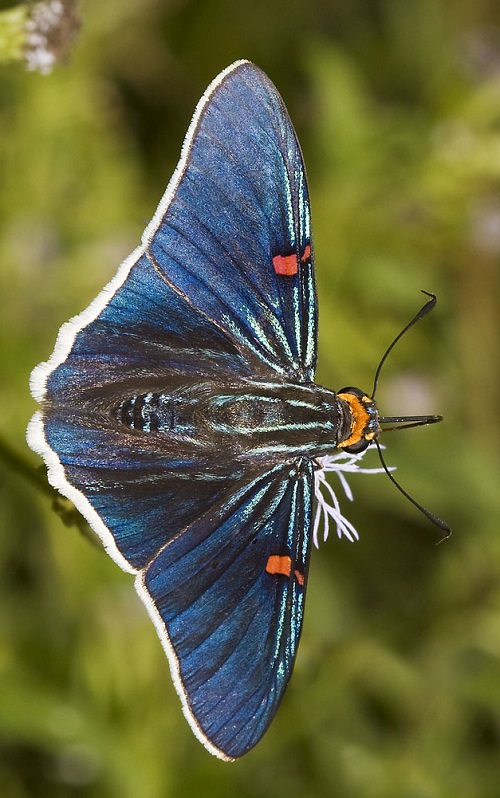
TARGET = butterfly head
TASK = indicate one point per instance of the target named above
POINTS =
(365, 425)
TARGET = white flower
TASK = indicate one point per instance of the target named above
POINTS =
(50, 31)
(328, 506)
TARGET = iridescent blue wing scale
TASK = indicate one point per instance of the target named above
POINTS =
(240, 222)
(222, 288)
(227, 599)
(135, 490)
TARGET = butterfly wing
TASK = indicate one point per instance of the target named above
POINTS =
(222, 287)
(201, 299)
(137, 491)
(233, 230)
(227, 599)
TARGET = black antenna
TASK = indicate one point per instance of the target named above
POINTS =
(420, 315)
(435, 519)
(404, 422)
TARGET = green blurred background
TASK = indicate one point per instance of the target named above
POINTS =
(396, 690)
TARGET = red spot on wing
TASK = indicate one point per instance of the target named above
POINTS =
(285, 264)
(279, 565)
(299, 577)
(289, 264)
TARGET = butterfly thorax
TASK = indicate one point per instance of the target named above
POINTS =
(244, 419)
(365, 423)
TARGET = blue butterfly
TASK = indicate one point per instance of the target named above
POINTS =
(180, 414)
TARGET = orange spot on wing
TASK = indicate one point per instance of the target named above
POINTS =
(279, 565)
(285, 264)
(307, 253)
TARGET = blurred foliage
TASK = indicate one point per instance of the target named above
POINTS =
(396, 691)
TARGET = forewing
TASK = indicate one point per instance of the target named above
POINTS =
(233, 232)
(227, 598)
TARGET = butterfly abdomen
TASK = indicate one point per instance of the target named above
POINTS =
(156, 412)
(246, 419)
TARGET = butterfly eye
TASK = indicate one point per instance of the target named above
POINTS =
(356, 448)
(354, 391)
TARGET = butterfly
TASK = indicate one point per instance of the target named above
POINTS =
(180, 414)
